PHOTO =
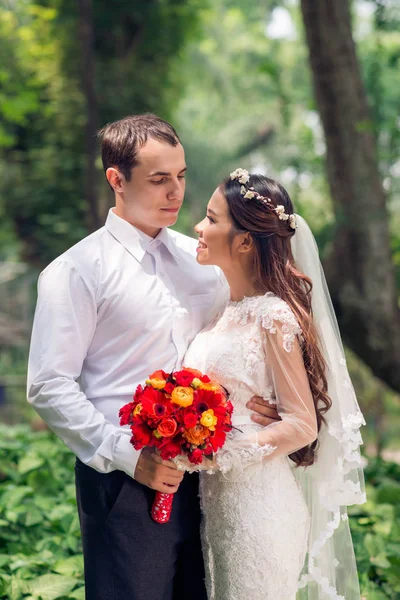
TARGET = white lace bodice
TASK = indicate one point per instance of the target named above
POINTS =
(231, 348)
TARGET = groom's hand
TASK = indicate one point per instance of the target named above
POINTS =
(264, 412)
(157, 474)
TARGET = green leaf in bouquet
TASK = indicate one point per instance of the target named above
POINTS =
(50, 587)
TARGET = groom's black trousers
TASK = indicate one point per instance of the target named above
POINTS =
(127, 555)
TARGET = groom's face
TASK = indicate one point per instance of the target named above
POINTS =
(154, 195)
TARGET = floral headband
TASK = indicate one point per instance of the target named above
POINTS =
(243, 177)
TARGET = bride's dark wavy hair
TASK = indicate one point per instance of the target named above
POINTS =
(274, 270)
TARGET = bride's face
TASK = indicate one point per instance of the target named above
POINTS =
(215, 246)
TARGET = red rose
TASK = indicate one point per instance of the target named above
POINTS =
(184, 378)
(190, 420)
(196, 457)
(125, 413)
(208, 450)
(205, 379)
(167, 427)
(142, 436)
(170, 447)
(169, 388)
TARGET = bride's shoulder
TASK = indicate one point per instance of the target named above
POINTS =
(274, 313)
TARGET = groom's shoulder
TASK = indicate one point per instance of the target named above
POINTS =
(84, 256)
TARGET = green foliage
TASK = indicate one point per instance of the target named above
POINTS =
(40, 549)
(44, 111)
(376, 532)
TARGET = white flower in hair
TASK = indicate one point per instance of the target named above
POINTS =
(241, 175)
(249, 193)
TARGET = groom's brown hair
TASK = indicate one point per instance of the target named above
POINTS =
(121, 140)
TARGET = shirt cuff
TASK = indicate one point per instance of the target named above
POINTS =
(125, 457)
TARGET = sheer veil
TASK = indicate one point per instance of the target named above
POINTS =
(336, 478)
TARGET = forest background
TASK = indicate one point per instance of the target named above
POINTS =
(306, 92)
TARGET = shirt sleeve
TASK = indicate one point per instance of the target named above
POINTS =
(64, 325)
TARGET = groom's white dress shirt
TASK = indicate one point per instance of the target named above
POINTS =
(111, 310)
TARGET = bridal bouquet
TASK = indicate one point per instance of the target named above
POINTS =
(181, 414)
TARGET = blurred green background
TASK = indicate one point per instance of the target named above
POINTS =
(274, 87)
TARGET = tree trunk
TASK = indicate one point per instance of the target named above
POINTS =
(360, 271)
(88, 74)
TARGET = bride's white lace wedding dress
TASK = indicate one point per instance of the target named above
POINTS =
(256, 521)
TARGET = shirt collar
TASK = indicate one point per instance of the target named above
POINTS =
(134, 240)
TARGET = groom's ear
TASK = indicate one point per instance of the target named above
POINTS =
(246, 243)
(115, 179)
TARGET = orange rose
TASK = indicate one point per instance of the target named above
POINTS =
(167, 427)
(196, 435)
(182, 396)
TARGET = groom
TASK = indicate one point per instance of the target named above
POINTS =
(123, 302)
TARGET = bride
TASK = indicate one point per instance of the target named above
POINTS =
(275, 522)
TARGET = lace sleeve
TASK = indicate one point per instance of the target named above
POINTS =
(283, 361)
(286, 370)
